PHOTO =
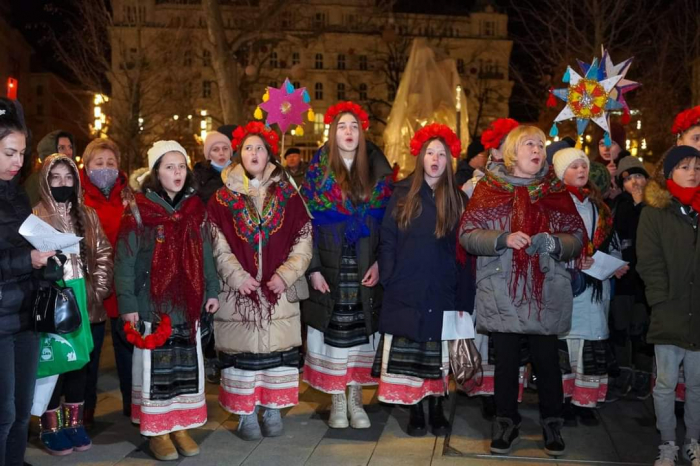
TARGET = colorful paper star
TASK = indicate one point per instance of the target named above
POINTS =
(286, 106)
(587, 99)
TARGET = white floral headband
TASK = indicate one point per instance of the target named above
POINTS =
(2, 112)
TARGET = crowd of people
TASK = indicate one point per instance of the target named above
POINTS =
(249, 267)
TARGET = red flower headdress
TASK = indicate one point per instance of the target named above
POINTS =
(255, 127)
(343, 107)
(499, 129)
(685, 120)
(152, 341)
(432, 131)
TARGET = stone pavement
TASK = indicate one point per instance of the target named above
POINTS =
(626, 436)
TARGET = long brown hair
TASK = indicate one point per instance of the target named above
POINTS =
(448, 201)
(355, 183)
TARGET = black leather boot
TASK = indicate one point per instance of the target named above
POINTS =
(416, 421)
(439, 424)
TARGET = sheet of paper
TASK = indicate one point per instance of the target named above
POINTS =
(604, 265)
(45, 238)
(457, 325)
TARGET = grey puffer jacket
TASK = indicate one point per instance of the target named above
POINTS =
(495, 308)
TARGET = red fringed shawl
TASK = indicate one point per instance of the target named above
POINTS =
(277, 229)
(177, 266)
(543, 206)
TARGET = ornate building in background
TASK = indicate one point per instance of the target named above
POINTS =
(352, 50)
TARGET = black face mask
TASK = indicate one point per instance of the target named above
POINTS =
(62, 193)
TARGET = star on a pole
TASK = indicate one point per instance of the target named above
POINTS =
(285, 106)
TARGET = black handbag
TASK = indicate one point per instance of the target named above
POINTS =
(56, 309)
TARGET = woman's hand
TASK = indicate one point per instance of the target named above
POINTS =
(212, 305)
(587, 263)
(276, 284)
(372, 276)
(619, 273)
(39, 259)
(131, 317)
(249, 286)
(318, 283)
(518, 240)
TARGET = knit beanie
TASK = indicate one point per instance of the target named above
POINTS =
(212, 138)
(629, 166)
(675, 156)
(565, 157)
(160, 148)
(290, 151)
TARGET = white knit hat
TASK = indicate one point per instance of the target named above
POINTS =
(565, 157)
(214, 137)
(160, 148)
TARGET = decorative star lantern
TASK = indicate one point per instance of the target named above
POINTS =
(588, 98)
(285, 107)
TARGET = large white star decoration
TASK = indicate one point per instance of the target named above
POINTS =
(587, 99)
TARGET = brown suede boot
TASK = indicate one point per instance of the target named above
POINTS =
(162, 447)
(184, 443)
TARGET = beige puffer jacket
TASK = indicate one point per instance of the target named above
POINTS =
(236, 334)
(100, 266)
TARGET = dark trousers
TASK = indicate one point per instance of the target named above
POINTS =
(123, 353)
(70, 386)
(98, 337)
(19, 357)
(544, 355)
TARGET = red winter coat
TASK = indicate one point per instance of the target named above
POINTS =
(110, 213)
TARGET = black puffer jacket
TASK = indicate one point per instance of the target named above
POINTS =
(208, 180)
(16, 282)
(317, 310)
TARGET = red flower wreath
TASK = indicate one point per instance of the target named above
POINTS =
(685, 120)
(152, 341)
(344, 107)
(499, 129)
(255, 127)
(432, 131)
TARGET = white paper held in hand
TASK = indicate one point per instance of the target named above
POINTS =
(45, 238)
(604, 265)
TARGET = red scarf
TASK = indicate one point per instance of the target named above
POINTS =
(177, 266)
(543, 206)
(280, 225)
(580, 193)
(686, 196)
